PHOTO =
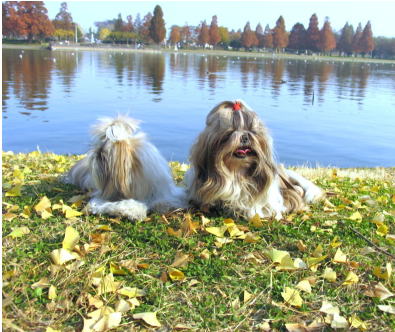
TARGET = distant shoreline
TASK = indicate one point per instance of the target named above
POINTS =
(226, 53)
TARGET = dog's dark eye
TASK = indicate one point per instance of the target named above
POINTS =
(226, 137)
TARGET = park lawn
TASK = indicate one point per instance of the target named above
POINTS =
(330, 267)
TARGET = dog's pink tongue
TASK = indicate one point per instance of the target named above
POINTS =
(243, 151)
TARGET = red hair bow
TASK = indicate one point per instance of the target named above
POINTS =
(236, 106)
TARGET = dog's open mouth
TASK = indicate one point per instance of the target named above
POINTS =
(243, 151)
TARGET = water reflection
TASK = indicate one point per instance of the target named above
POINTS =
(96, 83)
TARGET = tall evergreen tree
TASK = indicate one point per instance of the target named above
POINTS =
(157, 27)
(355, 40)
(280, 36)
(118, 23)
(327, 38)
(298, 37)
(366, 43)
(313, 34)
(215, 37)
(345, 40)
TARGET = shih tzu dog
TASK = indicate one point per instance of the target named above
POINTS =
(233, 167)
(125, 173)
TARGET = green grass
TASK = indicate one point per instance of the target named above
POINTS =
(211, 297)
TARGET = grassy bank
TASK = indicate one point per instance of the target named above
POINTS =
(263, 55)
(326, 268)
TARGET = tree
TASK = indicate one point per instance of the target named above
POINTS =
(235, 38)
(280, 36)
(345, 40)
(144, 30)
(366, 43)
(204, 36)
(185, 33)
(327, 38)
(118, 23)
(63, 19)
(313, 34)
(268, 37)
(224, 34)
(104, 33)
(355, 40)
(11, 21)
(157, 28)
(128, 27)
(175, 35)
(298, 37)
(248, 38)
(31, 20)
(213, 32)
(259, 34)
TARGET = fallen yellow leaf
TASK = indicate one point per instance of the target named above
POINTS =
(256, 221)
(379, 291)
(43, 205)
(387, 308)
(131, 292)
(356, 216)
(377, 271)
(351, 279)
(340, 257)
(292, 297)
(176, 275)
(304, 285)
(14, 191)
(107, 284)
(180, 260)
(71, 238)
(62, 256)
(52, 293)
(42, 283)
(357, 323)
(217, 231)
(19, 232)
(149, 318)
(329, 274)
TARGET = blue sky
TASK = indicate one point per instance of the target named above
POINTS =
(235, 14)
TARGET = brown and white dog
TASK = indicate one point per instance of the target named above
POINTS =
(125, 172)
(232, 167)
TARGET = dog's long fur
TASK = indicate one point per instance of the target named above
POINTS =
(232, 166)
(126, 174)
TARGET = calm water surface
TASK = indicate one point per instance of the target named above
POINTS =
(319, 112)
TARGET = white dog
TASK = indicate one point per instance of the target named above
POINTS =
(126, 174)
(232, 166)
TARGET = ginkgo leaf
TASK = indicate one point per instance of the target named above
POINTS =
(351, 279)
(379, 291)
(256, 221)
(217, 231)
(107, 284)
(180, 260)
(328, 308)
(246, 296)
(19, 232)
(71, 213)
(292, 297)
(338, 322)
(122, 306)
(42, 283)
(43, 205)
(189, 226)
(340, 257)
(382, 230)
(173, 232)
(102, 322)
(71, 238)
(14, 191)
(387, 308)
(386, 274)
(313, 261)
(62, 256)
(117, 269)
(131, 292)
(9, 216)
(205, 221)
(46, 214)
(205, 254)
(176, 275)
(304, 285)
(329, 274)
(27, 212)
(149, 318)
(94, 301)
(357, 323)
(356, 216)
(52, 292)
(286, 264)
(251, 238)
(276, 255)
(301, 246)
(318, 251)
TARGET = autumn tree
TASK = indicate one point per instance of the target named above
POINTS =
(268, 37)
(63, 20)
(345, 40)
(224, 34)
(355, 40)
(157, 28)
(235, 38)
(313, 34)
(11, 21)
(259, 34)
(280, 36)
(128, 26)
(214, 36)
(204, 36)
(366, 43)
(327, 38)
(248, 38)
(185, 34)
(298, 37)
(175, 35)
(118, 23)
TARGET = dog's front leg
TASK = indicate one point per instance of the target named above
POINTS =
(312, 193)
(130, 208)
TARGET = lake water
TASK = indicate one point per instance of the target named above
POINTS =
(318, 112)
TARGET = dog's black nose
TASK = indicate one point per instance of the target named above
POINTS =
(244, 139)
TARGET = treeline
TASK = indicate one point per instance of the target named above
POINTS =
(29, 20)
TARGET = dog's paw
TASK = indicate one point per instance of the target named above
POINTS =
(313, 194)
